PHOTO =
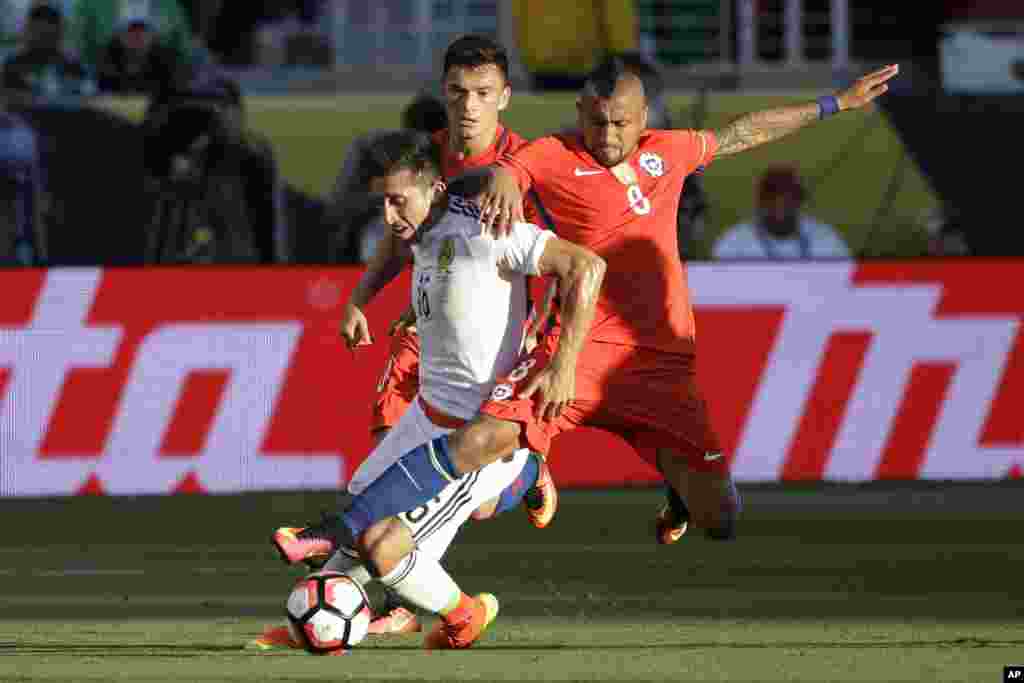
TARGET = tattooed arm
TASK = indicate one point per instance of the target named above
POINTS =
(759, 127)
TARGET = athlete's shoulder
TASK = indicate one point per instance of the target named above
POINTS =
(555, 143)
(685, 140)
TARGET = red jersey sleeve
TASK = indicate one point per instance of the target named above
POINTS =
(695, 148)
(526, 163)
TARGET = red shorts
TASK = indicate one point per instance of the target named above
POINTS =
(648, 397)
(399, 383)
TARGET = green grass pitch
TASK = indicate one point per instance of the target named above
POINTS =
(889, 583)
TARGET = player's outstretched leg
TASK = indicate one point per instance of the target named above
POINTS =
(416, 478)
(709, 495)
(420, 580)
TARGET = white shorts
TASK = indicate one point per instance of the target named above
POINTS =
(435, 524)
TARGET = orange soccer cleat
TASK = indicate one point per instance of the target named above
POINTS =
(462, 627)
(672, 519)
(542, 498)
(274, 638)
(396, 622)
(280, 638)
(668, 528)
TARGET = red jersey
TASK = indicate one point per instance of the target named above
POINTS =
(505, 142)
(644, 300)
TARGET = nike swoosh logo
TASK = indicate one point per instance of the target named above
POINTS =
(584, 171)
(710, 457)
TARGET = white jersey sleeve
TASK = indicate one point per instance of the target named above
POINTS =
(521, 249)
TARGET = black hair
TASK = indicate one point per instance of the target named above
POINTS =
(474, 50)
(403, 150)
(646, 70)
(602, 80)
(426, 114)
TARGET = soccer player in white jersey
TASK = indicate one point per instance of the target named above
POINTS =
(469, 292)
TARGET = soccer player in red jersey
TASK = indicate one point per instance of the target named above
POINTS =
(476, 90)
(614, 188)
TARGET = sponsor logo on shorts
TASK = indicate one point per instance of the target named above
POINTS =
(522, 370)
(711, 457)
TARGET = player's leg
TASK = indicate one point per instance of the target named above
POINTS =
(711, 497)
(653, 398)
(397, 389)
(435, 525)
(504, 424)
(405, 552)
(391, 614)
(534, 488)
(420, 580)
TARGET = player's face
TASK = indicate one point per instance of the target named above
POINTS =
(474, 97)
(612, 126)
(408, 198)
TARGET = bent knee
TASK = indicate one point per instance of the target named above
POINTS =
(384, 544)
(486, 440)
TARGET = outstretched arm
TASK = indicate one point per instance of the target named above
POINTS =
(759, 127)
(579, 273)
(387, 262)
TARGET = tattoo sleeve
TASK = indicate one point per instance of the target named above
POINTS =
(759, 127)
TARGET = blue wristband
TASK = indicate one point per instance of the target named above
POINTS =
(827, 106)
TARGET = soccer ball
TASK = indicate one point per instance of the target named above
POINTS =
(327, 612)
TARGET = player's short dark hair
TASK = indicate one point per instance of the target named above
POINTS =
(426, 114)
(635, 62)
(403, 150)
(474, 50)
(602, 80)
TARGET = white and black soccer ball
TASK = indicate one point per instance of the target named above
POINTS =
(327, 611)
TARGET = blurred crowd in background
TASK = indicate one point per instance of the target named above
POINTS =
(209, 189)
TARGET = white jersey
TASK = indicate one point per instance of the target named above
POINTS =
(469, 293)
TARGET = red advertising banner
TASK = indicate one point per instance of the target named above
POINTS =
(222, 380)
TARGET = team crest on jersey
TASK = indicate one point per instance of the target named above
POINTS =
(653, 164)
(446, 255)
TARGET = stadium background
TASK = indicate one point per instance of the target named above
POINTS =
(872, 413)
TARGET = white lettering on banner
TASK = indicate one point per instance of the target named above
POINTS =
(256, 357)
(39, 357)
(820, 302)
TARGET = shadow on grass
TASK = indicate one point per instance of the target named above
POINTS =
(150, 650)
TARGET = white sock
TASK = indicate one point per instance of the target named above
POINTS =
(423, 582)
(352, 567)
